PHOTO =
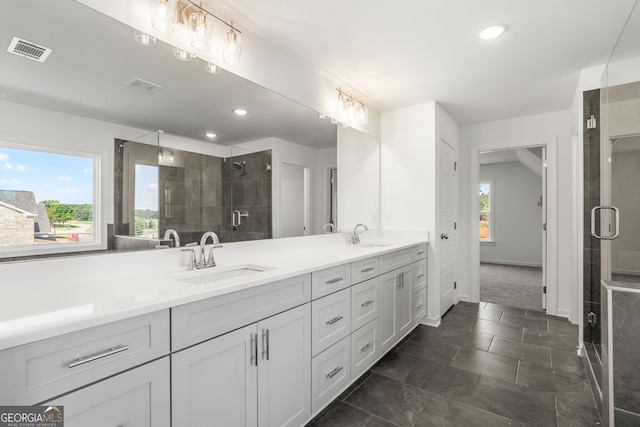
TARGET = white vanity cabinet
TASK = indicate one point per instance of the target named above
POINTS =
(259, 375)
(394, 315)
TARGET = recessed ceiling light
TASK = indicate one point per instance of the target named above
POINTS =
(240, 111)
(492, 32)
(210, 135)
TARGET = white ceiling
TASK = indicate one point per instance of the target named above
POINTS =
(397, 54)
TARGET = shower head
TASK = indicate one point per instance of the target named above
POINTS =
(239, 165)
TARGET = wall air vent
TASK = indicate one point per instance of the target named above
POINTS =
(28, 49)
(143, 85)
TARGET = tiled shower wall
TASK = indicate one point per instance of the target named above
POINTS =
(591, 265)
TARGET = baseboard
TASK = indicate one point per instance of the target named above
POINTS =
(431, 321)
(514, 263)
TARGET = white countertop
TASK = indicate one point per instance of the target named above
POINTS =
(45, 298)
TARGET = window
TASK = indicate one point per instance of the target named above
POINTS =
(486, 219)
(146, 201)
(47, 201)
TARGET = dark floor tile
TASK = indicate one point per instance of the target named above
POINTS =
(354, 386)
(464, 309)
(457, 321)
(521, 351)
(465, 338)
(422, 331)
(504, 330)
(571, 414)
(341, 414)
(567, 361)
(395, 365)
(426, 338)
(379, 422)
(391, 400)
(556, 382)
(536, 313)
(524, 321)
(443, 380)
(443, 412)
(515, 402)
(504, 308)
(492, 315)
(488, 364)
(550, 339)
(626, 419)
(563, 327)
(440, 352)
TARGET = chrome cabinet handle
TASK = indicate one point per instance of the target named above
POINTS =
(366, 347)
(332, 281)
(616, 229)
(253, 357)
(86, 359)
(265, 344)
(334, 372)
(334, 320)
(420, 276)
(367, 303)
(366, 270)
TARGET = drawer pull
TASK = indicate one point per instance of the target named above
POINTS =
(334, 320)
(367, 303)
(334, 372)
(418, 308)
(366, 270)
(366, 347)
(111, 351)
(420, 276)
(421, 253)
(332, 281)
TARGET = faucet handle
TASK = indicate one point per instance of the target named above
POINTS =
(192, 260)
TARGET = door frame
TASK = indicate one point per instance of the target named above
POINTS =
(551, 145)
(276, 186)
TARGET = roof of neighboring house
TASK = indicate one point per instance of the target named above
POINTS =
(17, 209)
(26, 201)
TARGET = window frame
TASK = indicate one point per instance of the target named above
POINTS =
(489, 213)
(98, 242)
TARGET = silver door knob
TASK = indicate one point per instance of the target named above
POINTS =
(444, 236)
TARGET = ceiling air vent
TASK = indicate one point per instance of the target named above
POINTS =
(28, 49)
(143, 85)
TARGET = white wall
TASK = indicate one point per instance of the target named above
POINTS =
(516, 216)
(531, 130)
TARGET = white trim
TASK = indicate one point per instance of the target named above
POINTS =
(514, 263)
(552, 220)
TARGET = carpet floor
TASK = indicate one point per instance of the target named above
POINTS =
(511, 285)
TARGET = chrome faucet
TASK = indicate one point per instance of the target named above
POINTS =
(176, 239)
(355, 237)
(209, 262)
(330, 226)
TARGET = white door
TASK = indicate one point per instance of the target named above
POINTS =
(284, 368)
(216, 381)
(293, 195)
(446, 235)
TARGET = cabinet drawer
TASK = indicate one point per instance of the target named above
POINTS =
(419, 275)
(201, 320)
(364, 348)
(418, 305)
(395, 260)
(364, 269)
(364, 303)
(140, 397)
(331, 372)
(325, 282)
(330, 320)
(34, 372)
(420, 252)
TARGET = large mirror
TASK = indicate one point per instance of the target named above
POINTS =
(97, 72)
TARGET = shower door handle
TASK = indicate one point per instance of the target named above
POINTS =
(616, 227)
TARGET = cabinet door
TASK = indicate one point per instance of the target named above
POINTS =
(216, 381)
(284, 368)
(403, 301)
(139, 397)
(387, 309)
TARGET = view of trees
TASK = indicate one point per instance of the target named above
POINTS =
(62, 213)
(146, 222)
(485, 209)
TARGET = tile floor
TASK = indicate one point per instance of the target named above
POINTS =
(486, 365)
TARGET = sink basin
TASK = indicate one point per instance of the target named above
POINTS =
(216, 274)
(373, 245)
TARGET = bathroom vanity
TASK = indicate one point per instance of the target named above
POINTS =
(270, 336)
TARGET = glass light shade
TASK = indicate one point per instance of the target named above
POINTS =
(232, 47)
(144, 38)
(182, 54)
(363, 115)
(212, 68)
(163, 14)
(200, 26)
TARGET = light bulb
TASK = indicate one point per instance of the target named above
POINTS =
(233, 47)
(162, 15)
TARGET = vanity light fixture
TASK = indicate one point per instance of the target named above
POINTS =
(240, 112)
(232, 47)
(182, 54)
(200, 27)
(212, 68)
(350, 110)
(492, 32)
(162, 14)
(144, 38)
